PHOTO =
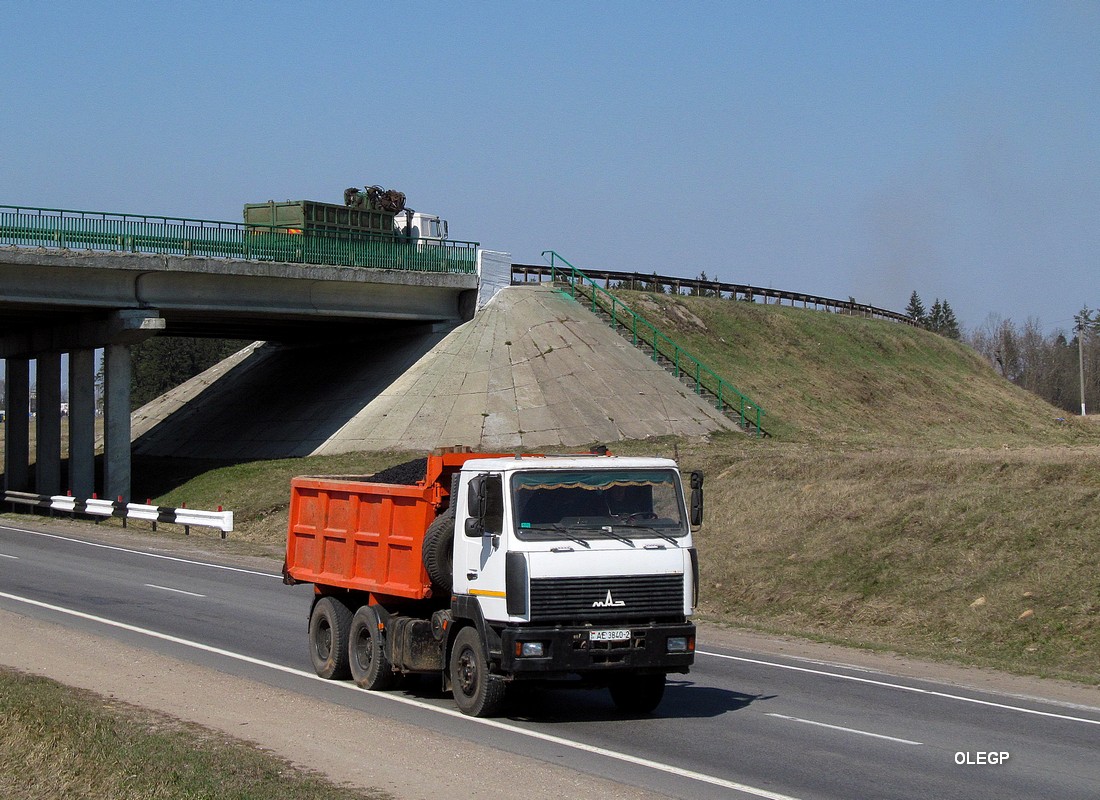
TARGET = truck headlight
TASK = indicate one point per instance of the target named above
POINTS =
(680, 644)
(530, 649)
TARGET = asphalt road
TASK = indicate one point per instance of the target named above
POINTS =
(740, 725)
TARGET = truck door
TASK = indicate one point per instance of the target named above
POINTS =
(480, 563)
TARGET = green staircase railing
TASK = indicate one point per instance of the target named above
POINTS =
(643, 334)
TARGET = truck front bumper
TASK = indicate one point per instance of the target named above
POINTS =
(659, 647)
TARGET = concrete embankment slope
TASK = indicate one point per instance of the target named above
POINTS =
(532, 370)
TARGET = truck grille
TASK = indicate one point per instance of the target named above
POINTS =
(614, 597)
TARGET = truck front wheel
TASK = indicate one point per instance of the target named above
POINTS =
(370, 668)
(329, 623)
(638, 694)
(477, 692)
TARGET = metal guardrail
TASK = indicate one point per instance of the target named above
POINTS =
(644, 334)
(97, 507)
(735, 291)
(131, 233)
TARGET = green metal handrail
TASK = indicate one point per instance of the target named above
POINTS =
(95, 230)
(642, 332)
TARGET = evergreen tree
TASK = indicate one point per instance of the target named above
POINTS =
(915, 309)
(164, 362)
(934, 320)
(949, 326)
(1084, 322)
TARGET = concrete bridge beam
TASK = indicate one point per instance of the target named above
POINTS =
(122, 326)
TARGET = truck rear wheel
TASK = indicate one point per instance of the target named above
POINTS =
(638, 694)
(329, 624)
(370, 668)
(477, 692)
(438, 551)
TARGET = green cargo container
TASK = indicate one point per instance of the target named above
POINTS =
(307, 216)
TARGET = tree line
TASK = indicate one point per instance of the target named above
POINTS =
(1052, 365)
(164, 362)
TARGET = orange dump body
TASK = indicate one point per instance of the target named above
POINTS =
(350, 533)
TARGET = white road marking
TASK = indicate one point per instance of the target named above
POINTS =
(489, 723)
(5, 555)
(903, 688)
(846, 730)
(177, 591)
(142, 552)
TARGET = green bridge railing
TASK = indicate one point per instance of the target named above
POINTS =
(683, 364)
(131, 233)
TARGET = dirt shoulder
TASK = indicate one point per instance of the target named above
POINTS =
(419, 764)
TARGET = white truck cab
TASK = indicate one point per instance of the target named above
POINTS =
(417, 225)
(578, 567)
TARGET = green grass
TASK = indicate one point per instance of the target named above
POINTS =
(832, 378)
(60, 742)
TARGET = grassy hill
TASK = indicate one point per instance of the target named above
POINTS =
(831, 378)
(909, 497)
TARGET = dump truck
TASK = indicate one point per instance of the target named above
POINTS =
(492, 570)
(363, 212)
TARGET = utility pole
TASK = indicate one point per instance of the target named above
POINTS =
(1081, 366)
(1083, 321)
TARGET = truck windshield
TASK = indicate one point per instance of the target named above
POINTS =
(612, 504)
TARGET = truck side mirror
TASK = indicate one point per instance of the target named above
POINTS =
(696, 499)
(475, 496)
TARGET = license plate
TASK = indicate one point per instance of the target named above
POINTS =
(609, 636)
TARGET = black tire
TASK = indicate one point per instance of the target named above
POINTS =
(370, 668)
(638, 694)
(329, 624)
(477, 692)
(438, 550)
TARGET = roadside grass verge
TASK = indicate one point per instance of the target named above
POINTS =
(980, 556)
(56, 741)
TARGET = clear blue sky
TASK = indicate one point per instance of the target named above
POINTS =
(836, 148)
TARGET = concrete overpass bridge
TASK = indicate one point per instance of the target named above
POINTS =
(73, 282)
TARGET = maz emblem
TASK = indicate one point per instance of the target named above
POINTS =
(609, 602)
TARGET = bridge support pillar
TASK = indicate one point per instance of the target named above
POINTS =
(47, 424)
(82, 423)
(116, 422)
(17, 402)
